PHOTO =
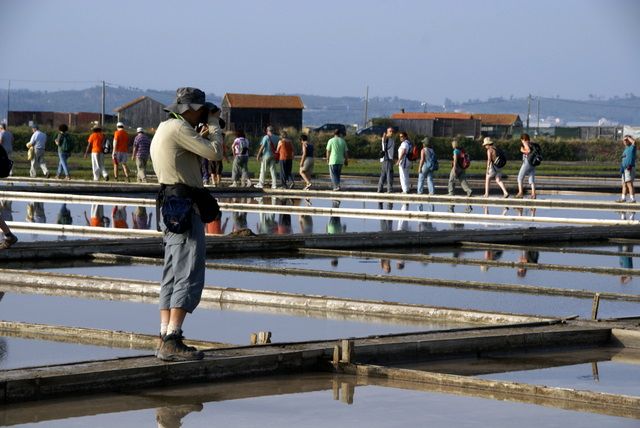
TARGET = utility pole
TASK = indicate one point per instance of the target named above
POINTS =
(538, 116)
(366, 107)
(103, 103)
(8, 101)
(528, 111)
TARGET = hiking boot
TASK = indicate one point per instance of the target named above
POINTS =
(47, 175)
(106, 178)
(258, 186)
(248, 183)
(234, 184)
(9, 240)
(173, 349)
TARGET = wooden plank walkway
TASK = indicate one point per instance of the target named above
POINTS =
(78, 249)
(124, 374)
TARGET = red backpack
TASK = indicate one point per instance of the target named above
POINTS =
(414, 153)
(463, 159)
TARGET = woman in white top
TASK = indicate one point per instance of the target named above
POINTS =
(404, 164)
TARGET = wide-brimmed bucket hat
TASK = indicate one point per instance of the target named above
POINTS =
(487, 142)
(187, 99)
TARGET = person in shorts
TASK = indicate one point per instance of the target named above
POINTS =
(120, 153)
(492, 170)
(628, 168)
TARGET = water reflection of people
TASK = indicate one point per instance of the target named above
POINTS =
(403, 225)
(306, 224)
(386, 225)
(626, 262)
(140, 219)
(171, 417)
(284, 224)
(35, 213)
(217, 226)
(239, 220)
(527, 256)
(491, 255)
(628, 215)
(64, 215)
(3, 343)
(335, 226)
(98, 219)
(119, 217)
(385, 264)
(6, 210)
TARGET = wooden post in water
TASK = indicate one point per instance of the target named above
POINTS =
(347, 351)
(595, 306)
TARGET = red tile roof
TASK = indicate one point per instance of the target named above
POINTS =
(497, 119)
(433, 116)
(264, 101)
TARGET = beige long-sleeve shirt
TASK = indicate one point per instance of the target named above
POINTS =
(176, 150)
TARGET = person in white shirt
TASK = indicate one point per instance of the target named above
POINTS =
(38, 141)
(404, 164)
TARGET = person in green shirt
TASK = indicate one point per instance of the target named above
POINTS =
(337, 155)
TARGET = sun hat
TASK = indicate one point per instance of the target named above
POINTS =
(119, 125)
(187, 98)
(487, 142)
(140, 130)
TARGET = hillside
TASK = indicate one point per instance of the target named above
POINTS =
(348, 110)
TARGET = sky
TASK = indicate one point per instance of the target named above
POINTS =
(417, 49)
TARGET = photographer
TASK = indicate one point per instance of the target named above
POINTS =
(176, 151)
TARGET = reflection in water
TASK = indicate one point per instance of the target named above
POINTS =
(491, 255)
(5, 210)
(403, 224)
(119, 217)
(140, 219)
(306, 224)
(627, 215)
(64, 215)
(626, 262)
(527, 256)
(284, 224)
(386, 225)
(385, 264)
(335, 226)
(35, 212)
(171, 417)
(216, 227)
(98, 219)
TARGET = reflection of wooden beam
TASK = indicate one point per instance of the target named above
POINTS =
(91, 336)
(546, 248)
(64, 283)
(475, 262)
(563, 398)
(40, 411)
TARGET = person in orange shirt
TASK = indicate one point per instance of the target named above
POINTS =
(95, 144)
(98, 219)
(285, 151)
(119, 216)
(120, 151)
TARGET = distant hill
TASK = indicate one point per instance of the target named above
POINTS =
(348, 110)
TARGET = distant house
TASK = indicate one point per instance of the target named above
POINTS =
(499, 125)
(53, 119)
(438, 124)
(142, 112)
(253, 113)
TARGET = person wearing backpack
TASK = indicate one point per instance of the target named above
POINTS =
(404, 161)
(240, 150)
(527, 168)
(428, 164)
(459, 164)
(65, 145)
(495, 161)
(628, 168)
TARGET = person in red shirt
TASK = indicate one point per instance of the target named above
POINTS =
(285, 152)
(120, 151)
